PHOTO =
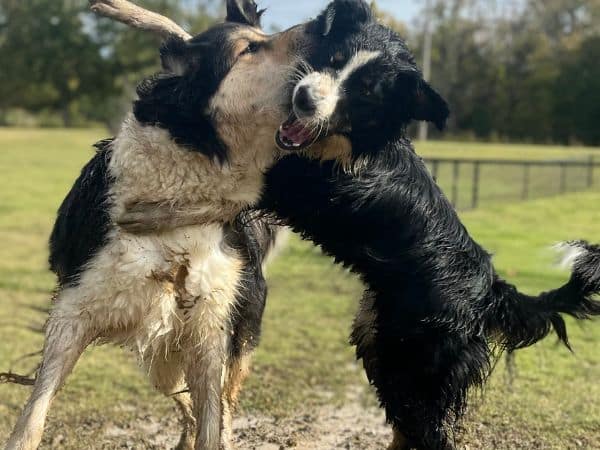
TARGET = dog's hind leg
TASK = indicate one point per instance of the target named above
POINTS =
(364, 338)
(238, 370)
(421, 372)
(188, 435)
(399, 442)
(205, 378)
(67, 336)
(167, 374)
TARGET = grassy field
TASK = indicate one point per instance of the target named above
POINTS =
(304, 360)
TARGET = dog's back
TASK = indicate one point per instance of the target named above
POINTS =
(83, 221)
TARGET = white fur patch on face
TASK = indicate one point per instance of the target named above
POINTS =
(325, 89)
(359, 60)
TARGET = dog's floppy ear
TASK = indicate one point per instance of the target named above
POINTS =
(344, 16)
(430, 106)
(419, 100)
(245, 12)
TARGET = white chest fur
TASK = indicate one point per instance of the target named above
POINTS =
(131, 286)
(149, 167)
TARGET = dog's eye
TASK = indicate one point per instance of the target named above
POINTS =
(337, 60)
(253, 47)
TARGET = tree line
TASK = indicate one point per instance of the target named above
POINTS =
(512, 70)
(61, 65)
(517, 70)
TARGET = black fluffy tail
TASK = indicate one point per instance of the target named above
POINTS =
(518, 320)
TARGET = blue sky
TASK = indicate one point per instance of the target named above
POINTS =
(284, 13)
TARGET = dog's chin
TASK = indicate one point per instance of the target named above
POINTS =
(294, 135)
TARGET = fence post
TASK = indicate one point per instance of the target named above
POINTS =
(455, 178)
(475, 199)
(591, 172)
(435, 168)
(526, 177)
(563, 178)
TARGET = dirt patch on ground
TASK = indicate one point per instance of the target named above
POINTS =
(351, 426)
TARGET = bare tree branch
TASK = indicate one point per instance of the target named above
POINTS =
(137, 17)
(13, 378)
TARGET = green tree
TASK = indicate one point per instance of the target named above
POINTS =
(48, 61)
(577, 108)
(57, 56)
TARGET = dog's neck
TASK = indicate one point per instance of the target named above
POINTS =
(148, 166)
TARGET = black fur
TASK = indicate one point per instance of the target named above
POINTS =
(440, 308)
(253, 240)
(85, 209)
(177, 100)
(244, 11)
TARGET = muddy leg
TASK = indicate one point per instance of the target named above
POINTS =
(167, 374)
(188, 436)
(205, 378)
(66, 339)
(237, 371)
(399, 442)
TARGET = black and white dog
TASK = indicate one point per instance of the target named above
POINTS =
(190, 300)
(434, 309)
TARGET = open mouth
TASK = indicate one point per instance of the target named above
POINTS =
(293, 135)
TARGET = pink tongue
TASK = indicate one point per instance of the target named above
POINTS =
(296, 133)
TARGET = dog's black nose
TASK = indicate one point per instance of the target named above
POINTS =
(304, 103)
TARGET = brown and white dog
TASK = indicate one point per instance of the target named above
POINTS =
(199, 139)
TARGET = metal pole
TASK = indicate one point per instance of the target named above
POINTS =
(475, 199)
(455, 177)
(526, 177)
(427, 45)
(435, 171)
(563, 178)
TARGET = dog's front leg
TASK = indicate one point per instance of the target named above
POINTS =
(209, 322)
(67, 336)
(205, 377)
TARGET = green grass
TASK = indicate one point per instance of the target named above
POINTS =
(304, 359)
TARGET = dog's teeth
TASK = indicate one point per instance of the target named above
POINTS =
(296, 145)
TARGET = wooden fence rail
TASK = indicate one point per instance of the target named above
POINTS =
(588, 166)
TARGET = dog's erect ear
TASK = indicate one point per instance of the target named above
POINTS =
(178, 56)
(430, 106)
(173, 56)
(344, 16)
(245, 12)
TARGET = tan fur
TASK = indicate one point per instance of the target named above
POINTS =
(399, 442)
(237, 372)
(334, 148)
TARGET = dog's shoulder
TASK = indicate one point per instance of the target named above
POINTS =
(83, 213)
